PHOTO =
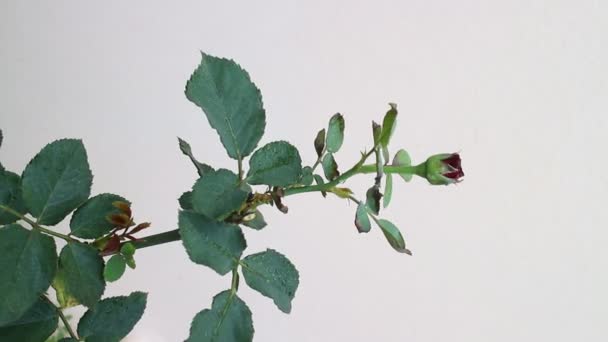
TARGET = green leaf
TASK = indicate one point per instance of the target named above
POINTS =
(111, 319)
(388, 190)
(277, 163)
(393, 235)
(402, 158)
(82, 268)
(185, 201)
(335, 133)
(307, 177)
(5, 187)
(115, 268)
(90, 219)
(130, 262)
(330, 167)
(201, 168)
(232, 103)
(362, 219)
(36, 325)
(377, 132)
(372, 201)
(388, 125)
(217, 194)
(10, 196)
(385, 153)
(65, 298)
(56, 181)
(320, 142)
(257, 222)
(319, 181)
(273, 275)
(217, 245)
(228, 320)
(28, 262)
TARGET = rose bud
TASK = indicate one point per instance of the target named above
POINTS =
(443, 169)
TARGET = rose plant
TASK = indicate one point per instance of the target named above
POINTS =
(104, 235)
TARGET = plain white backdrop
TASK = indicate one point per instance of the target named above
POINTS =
(517, 252)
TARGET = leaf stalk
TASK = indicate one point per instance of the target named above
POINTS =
(37, 226)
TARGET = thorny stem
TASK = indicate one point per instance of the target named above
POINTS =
(173, 235)
(65, 321)
(359, 168)
(412, 170)
(37, 226)
(324, 187)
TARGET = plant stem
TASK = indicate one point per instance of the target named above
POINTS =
(371, 168)
(359, 168)
(157, 239)
(234, 286)
(314, 166)
(37, 226)
(318, 161)
(67, 325)
(152, 240)
(303, 189)
(325, 187)
(65, 321)
(240, 165)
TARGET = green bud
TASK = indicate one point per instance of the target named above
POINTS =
(442, 169)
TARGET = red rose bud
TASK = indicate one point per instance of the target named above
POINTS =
(443, 169)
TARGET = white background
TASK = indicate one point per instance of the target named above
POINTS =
(517, 252)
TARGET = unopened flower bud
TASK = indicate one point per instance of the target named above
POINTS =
(443, 169)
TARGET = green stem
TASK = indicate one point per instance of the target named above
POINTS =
(152, 240)
(412, 170)
(234, 286)
(303, 189)
(318, 161)
(36, 225)
(314, 166)
(240, 165)
(156, 239)
(64, 320)
(359, 168)
(325, 187)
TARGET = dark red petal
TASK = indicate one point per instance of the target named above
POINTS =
(454, 174)
(453, 160)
